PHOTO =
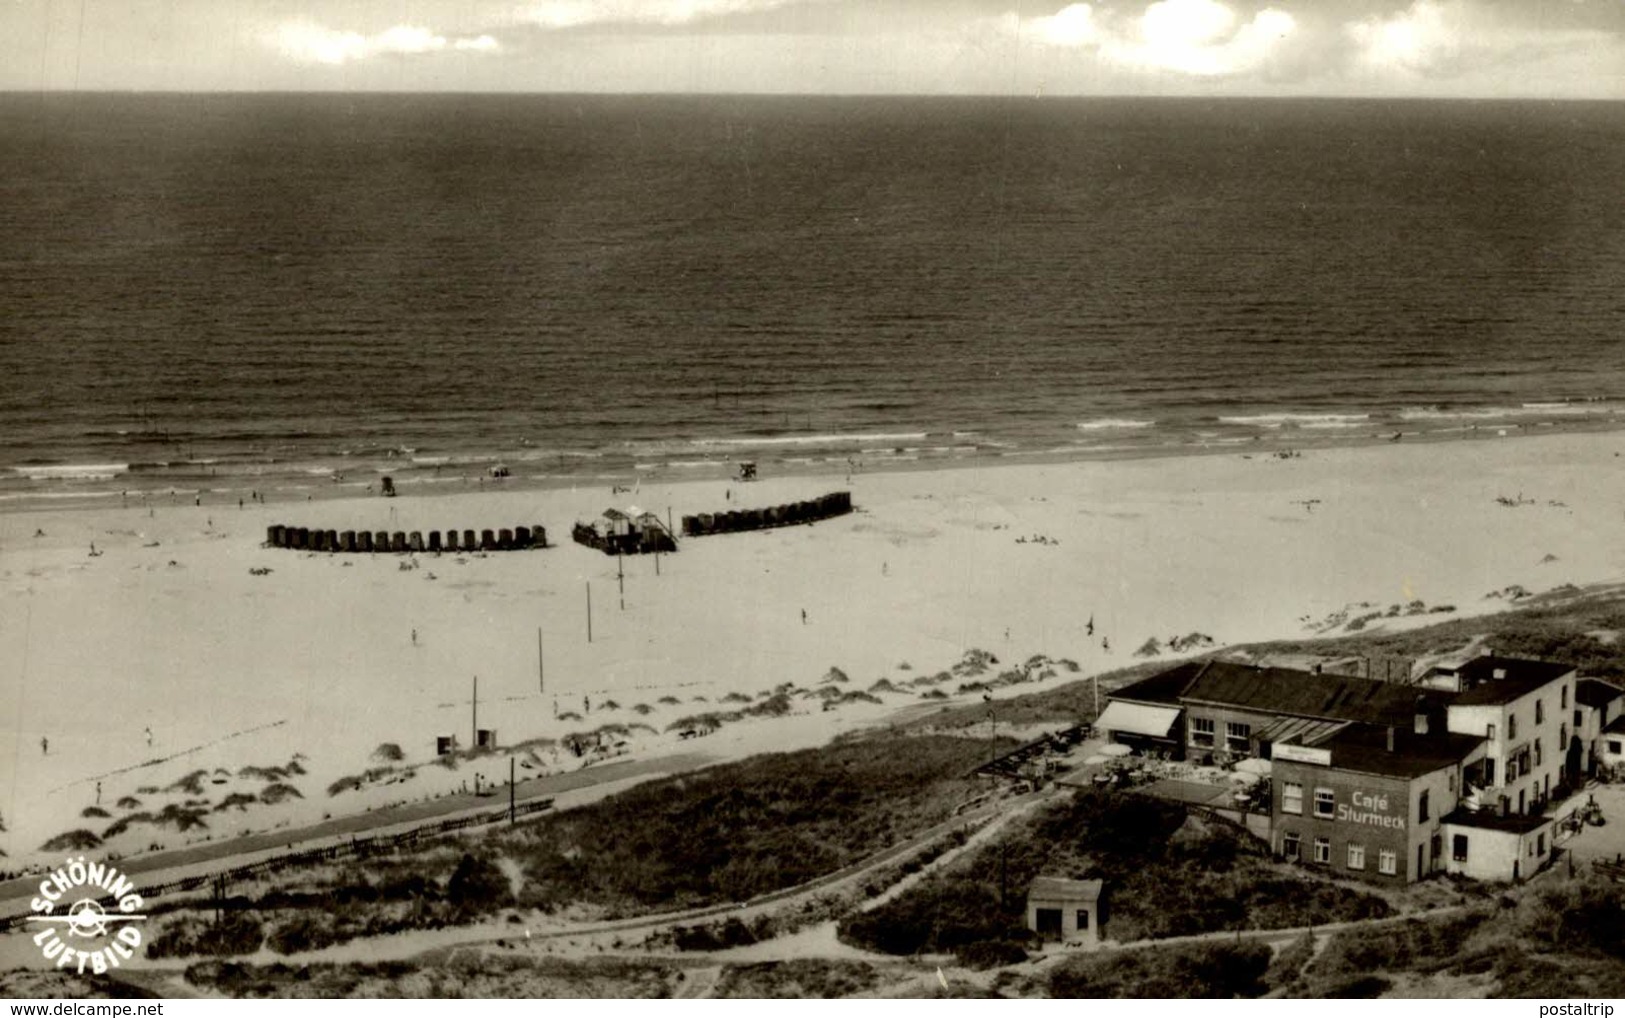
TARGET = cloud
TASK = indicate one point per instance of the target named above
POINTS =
(1070, 26)
(562, 14)
(1201, 38)
(310, 43)
(1417, 39)
(1445, 37)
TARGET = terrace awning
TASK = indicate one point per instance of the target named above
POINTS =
(1138, 719)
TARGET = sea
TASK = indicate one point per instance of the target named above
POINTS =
(297, 295)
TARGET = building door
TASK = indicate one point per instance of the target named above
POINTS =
(1049, 923)
(1520, 800)
(1438, 848)
(1421, 861)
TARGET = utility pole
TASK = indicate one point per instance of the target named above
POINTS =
(589, 611)
(511, 812)
(476, 743)
(541, 664)
(620, 578)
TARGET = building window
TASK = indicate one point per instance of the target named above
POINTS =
(1388, 862)
(1537, 752)
(1201, 731)
(1512, 726)
(1356, 857)
(1540, 712)
(1458, 848)
(1562, 736)
(1422, 807)
(1540, 843)
(1452, 782)
(1489, 772)
(1324, 802)
(1292, 798)
(1578, 721)
(1614, 746)
(1489, 732)
(1236, 735)
(1083, 920)
(1323, 850)
(1289, 844)
(1563, 697)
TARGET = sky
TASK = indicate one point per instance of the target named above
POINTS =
(1443, 48)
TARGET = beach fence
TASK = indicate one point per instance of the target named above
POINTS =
(400, 541)
(836, 503)
(355, 848)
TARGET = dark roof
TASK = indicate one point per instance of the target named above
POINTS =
(1364, 748)
(1521, 676)
(1596, 693)
(1616, 726)
(1308, 694)
(1490, 820)
(1163, 687)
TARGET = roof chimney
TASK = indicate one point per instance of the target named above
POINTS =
(1390, 738)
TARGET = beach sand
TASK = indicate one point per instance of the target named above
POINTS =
(166, 628)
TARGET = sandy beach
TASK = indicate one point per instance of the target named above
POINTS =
(170, 650)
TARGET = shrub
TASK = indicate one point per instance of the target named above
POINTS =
(477, 886)
(817, 978)
(1360, 988)
(1185, 971)
(305, 931)
(236, 933)
(72, 841)
(991, 954)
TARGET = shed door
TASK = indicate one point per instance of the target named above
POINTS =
(1049, 922)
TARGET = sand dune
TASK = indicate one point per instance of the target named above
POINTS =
(167, 628)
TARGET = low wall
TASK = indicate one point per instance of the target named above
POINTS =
(837, 503)
(305, 539)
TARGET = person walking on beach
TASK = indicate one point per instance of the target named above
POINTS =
(414, 637)
(803, 616)
(98, 793)
(1090, 628)
(44, 746)
(149, 736)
